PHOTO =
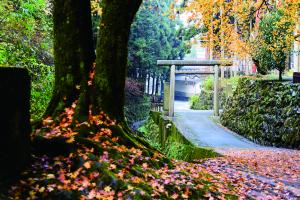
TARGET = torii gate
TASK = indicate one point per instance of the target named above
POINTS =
(200, 63)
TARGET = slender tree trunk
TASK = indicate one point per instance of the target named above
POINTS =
(157, 84)
(153, 85)
(112, 53)
(73, 53)
(280, 75)
(161, 86)
(148, 86)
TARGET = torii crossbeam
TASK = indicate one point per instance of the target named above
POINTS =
(200, 63)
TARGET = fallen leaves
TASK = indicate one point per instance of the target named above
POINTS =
(102, 167)
(268, 173)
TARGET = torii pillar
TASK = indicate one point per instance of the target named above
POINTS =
(174, 63)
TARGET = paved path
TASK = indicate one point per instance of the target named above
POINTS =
(199, 127)
(259, 172)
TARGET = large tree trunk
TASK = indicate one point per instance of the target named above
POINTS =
(73, 53)
(112, 52)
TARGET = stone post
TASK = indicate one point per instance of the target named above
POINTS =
(14, 121)
(166, 97)
(216, 91)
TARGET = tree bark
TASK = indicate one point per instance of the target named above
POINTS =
(112, 53)
(73, 54)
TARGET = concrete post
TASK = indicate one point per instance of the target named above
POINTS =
(172, 91)
(216, 91)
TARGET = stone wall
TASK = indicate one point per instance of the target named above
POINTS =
(266, 112)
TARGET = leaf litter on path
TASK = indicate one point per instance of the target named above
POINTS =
(268, 173)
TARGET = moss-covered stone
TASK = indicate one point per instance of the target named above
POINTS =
(171, 141)
(266, 112)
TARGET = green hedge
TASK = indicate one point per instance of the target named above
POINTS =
(266, 112)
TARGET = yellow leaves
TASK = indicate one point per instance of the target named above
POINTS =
(50, 176)
(48, 121)
(107, 189)
(112, 166)
(130, 187)
(74, 174)
(87, 164)
(42, 189)
(227, 22)
(145, 165)
(70, 140)
(174, 196)
(135, 151)
(32, 194)
(137, 180)
(95, 7)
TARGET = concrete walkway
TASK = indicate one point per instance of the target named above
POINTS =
(262, 169)
(198, 126)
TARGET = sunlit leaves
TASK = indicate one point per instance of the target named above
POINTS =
(231, 25)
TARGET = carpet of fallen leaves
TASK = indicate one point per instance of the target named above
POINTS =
(265, 173)
(103, 165)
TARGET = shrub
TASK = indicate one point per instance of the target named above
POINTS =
(208, 84)
(205, 100)
(41, 92)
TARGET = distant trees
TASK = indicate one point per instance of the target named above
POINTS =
(26, 41)
(25, 34)
(153, 36)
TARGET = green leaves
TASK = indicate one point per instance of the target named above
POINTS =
(273, 44)
(153, 36)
